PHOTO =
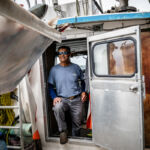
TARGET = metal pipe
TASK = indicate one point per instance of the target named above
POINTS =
(20, 114)
(13, 147)
(100, 3)
(98, 7)
(28, 2)
(78, 7)
(55, 2)
(43, 1)
(35, 2)
(9, 107)
(87, 7)
(123, 3)
(10, 127)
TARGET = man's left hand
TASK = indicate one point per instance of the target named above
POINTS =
(83, 96)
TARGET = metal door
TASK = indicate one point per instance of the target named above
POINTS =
(116, 89)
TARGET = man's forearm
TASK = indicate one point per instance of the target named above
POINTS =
(52, 91)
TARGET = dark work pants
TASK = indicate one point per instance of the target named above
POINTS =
(75, 108)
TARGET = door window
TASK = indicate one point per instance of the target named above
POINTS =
(114, 58)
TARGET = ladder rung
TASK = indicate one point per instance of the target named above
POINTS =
(9, 127)
(9, 107)
(13, 147)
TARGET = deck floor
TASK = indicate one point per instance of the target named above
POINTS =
(72, 146)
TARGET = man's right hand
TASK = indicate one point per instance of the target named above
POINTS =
(56, 100)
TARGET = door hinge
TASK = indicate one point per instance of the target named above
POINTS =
(143, 87)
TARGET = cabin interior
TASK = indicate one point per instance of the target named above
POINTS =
(121, 65)
(78, 56)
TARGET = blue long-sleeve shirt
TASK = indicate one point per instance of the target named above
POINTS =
(66, 80)
(52, 92)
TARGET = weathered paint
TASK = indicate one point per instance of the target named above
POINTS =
(105, 17)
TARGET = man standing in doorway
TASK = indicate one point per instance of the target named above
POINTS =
(69, 94)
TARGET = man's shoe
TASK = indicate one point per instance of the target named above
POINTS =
(63, 138)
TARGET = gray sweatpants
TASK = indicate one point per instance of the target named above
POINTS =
(75, 108)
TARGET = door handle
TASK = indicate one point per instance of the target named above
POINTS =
(133, 88)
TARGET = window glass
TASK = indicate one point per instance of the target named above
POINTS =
(115, 58)
(100, 59)
(79, 60)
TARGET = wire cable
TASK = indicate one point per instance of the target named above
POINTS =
(98, 7)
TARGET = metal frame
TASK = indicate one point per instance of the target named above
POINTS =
(44, 96)
(109, 41)
(138, 78)
(82, 140)
(19, 107)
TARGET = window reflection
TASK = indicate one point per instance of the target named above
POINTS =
(120, 59)
(100, 59)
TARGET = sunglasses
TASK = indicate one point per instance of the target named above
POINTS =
(64, 53)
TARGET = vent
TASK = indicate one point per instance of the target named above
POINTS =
(78, 45)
